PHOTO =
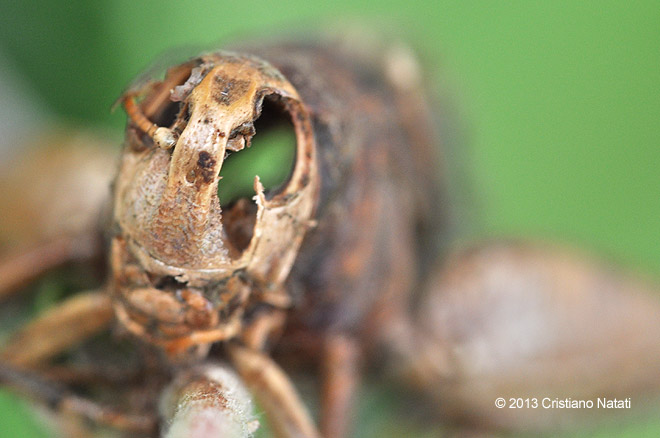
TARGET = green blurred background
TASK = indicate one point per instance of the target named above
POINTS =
(558, 101)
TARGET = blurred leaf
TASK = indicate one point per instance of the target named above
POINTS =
(17, 419)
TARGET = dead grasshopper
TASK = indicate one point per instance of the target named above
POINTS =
(339, 268)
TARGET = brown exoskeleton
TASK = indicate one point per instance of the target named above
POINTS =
(187, 272)
(332, 269)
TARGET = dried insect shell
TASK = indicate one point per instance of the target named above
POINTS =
(168, 213)
(381, 210)
(357, 155)
(166, 204)
(339, 252)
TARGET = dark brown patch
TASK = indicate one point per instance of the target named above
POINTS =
(209, 393)
(270, 72)
(135, 140)
(304, 180)
(206, 166)
(228, 90)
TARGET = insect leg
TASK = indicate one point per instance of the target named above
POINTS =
(340, 379)
(58, 329)
(286, 412)
(59, 398)
(207, 401)
(27, 264)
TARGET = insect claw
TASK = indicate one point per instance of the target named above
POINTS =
(165, 138)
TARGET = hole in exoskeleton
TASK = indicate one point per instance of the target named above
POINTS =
(167, 282)
(271, 155)
(167, 115)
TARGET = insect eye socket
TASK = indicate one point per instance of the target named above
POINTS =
(167, 115)
(271, 156)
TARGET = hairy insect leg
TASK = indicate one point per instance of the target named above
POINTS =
(24, 265)
(286, 412)
(58, 329)
(60, 399)
(340, 378)
(207, 401)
